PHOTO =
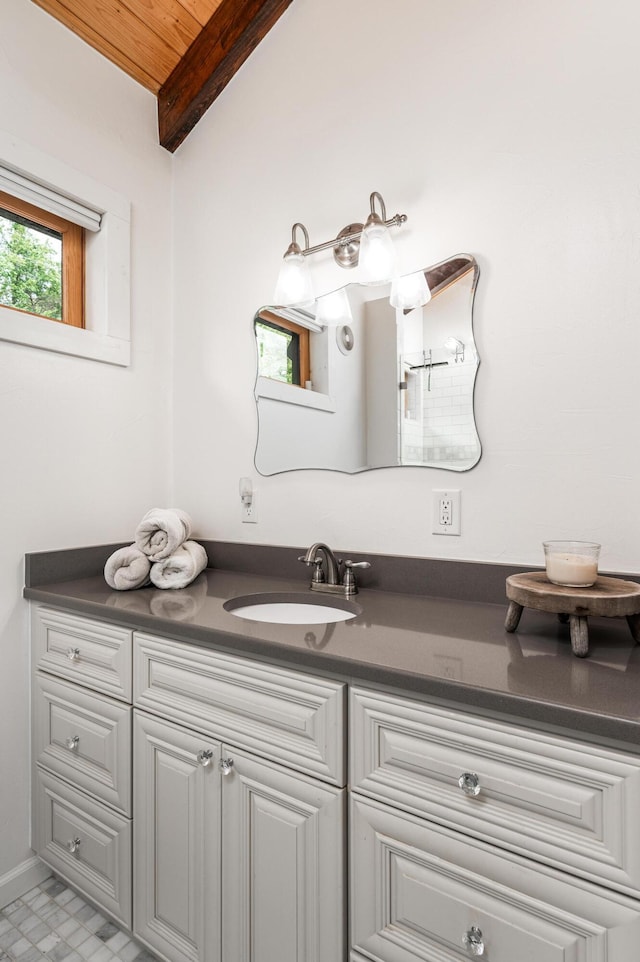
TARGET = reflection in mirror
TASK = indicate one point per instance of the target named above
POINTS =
(352, 384)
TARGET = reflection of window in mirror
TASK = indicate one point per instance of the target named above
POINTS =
(283, 349)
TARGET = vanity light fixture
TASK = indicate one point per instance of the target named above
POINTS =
(410, 291)
(294, 281)
(369, 244)
(334, 308)
(455, 348)
(378, 259)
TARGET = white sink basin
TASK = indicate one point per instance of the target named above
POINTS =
(290, 608)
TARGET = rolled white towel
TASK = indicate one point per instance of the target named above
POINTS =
(161, 532)
(181, 568)
(127, 568)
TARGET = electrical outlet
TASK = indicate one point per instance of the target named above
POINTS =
(446, 512)
(248, 514)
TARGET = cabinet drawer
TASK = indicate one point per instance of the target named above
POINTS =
(572, 805)
(91, 653)
(417, 892)
(284, 715)
(86, 843)
(85, 738)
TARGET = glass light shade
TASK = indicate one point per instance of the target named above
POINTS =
(294, 281)
(410, 291)
(377, 255)
(334, 308)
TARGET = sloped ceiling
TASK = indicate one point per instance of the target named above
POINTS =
(183, 51)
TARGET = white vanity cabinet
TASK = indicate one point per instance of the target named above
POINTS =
(82, 755)
(238, 851)
(199, 798)
(471, 836)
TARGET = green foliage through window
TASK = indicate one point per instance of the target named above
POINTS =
(278, 353)
(30, 266)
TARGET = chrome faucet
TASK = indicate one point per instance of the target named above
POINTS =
(331, 563)
(336, 577)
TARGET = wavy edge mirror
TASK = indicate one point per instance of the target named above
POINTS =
(406, 377)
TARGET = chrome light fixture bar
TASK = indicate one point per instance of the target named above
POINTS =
(369, 244)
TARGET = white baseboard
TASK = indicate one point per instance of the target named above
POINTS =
(20, 879)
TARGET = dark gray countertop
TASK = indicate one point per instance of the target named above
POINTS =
(448, 649)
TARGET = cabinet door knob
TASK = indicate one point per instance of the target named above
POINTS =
(73, 654)
(225, 765)
(72, 743)
(472, 941)
(469, 783)
(74, 845)
(204, 757)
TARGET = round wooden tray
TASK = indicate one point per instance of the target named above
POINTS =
(608, 597)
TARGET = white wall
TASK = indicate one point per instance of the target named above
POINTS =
(85, 446)
(506, 130)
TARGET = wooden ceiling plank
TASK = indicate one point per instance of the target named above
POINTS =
(229, 37)
(129, 33)
(114, 31)
(168, 19)
(202, 10)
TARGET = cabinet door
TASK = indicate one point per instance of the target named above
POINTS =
(419, 891)
(177, 841)
(282, 865)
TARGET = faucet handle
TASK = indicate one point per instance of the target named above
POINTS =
(349, 580)
(318, 574)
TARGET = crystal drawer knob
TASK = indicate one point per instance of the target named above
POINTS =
(74, 845)
(73, 654)
(72, 743)
(226, 765)
(469, 783)
(204, 757)
(472, 941)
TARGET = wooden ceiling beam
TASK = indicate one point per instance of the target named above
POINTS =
(229, 37)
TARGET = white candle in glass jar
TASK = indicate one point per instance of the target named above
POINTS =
(572, 570)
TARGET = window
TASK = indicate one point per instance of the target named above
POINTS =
(283, 349)
(41, 262)
(32, 177)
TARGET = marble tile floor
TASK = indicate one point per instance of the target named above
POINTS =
(52, 923)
